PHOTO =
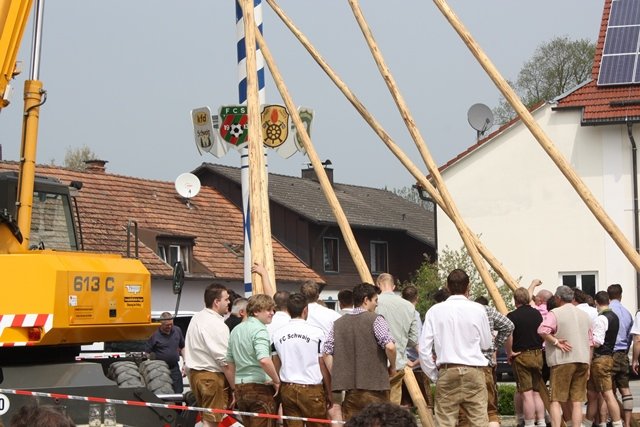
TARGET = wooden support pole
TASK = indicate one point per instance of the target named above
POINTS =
(542, 390)
(325, 184)
(583, 191)
(418, 399)
(426, 157)
(388, 141)
(261, 248)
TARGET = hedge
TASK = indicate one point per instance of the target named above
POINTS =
(505, 399)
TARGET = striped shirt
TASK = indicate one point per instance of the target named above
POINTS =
(503, 326)
(380, 330)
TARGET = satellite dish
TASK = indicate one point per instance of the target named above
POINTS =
(187, 185)
(480, 118)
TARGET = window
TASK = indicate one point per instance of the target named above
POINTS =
(379, 257)
(172, 252)
(587, 281)
(330, 254)
(52, 222)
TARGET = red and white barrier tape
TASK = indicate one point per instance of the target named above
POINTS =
(163, 405)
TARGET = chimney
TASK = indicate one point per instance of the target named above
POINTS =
(96, 165)
(310, 173)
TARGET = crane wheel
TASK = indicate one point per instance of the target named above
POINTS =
(157, 376)
(125, 374)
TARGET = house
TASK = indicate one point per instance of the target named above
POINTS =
(511, 194)
(393, 234)
(204, 232)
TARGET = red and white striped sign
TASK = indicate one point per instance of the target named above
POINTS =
(44, 321)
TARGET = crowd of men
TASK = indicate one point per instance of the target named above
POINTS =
(565, 349)
(290, 355)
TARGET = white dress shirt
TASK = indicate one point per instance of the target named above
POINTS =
(206, 342)
(600, 326)
(457, 330)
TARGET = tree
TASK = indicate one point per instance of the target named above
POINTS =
(411, 194)
(75, 158)
(555, 67)
(431, 276)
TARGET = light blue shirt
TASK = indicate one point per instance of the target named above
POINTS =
(623, 340)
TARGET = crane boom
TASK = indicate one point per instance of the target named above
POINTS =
(14, 15)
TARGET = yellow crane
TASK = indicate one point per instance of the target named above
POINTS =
(56, 297)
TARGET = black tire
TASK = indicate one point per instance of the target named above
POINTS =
(157, 376)
(125, 374)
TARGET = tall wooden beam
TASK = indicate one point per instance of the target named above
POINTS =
(325, 184)
(418, 175)
(428, 160)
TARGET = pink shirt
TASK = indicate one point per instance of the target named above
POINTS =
(549, 326)
(542, 308)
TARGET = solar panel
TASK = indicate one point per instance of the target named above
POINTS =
(624, 12)
(619, 64)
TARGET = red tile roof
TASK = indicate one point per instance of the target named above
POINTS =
(107, 202)
(594, 100)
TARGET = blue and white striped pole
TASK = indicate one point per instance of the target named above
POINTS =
(244, 152)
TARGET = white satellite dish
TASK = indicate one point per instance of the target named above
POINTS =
(480, 118)
(187, 185)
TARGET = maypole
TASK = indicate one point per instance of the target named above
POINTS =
(244, 152)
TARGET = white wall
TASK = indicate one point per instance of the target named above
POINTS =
(192, 298)
(511, 193)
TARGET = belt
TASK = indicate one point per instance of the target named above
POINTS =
(596, 355)
(302, 385)
(533, 350)
(204, 370)
(458, 365)
(241, 385)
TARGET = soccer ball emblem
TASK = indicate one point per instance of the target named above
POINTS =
(236, 130)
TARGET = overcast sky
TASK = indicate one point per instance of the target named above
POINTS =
(122, 77)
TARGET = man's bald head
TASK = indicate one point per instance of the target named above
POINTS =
(385, 282)
(543, 296)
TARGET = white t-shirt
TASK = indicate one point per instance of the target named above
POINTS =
(635, 329)
(322, 317)
(279, 319)
(591, 311)
(299, 346)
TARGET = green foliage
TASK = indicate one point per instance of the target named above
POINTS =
(432, 276)
(505, 399)
(428, 281)
(75, 158)
(555, 67)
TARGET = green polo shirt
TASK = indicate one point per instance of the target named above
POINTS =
(248, 343)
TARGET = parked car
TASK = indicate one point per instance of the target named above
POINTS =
(503, 369)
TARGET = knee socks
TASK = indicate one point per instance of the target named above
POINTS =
(627, 402)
